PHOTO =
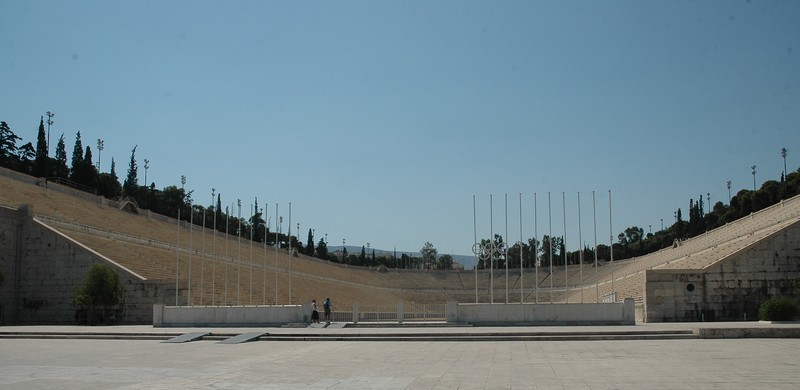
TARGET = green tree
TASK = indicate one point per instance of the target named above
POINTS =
(100, 289)
(40, 168)
(310, 243)
(445, 262)
(26, 156)
(429, 254)
(218, 211)
(131, 182)
(257, 223)
(88, 176)
(8, 145)
(322, 249)
(77, 158)
(60, 168)
(108, 183)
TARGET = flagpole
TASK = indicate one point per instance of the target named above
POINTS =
(594, 221)
(580, 243)
(474, 246)
(252, 227)
(178, 256)
(239, 254)
(289, 237)
(276, 252)
(227, 259)
(536, 248)
(191, 223)
(214, 259)
(266, 227)
(611, 247)
(521, 256)
(505, 248)
(491, 257)
(202, 257)
(566, 270)
(550, 222)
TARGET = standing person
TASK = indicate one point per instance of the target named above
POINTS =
(314, 312)
(327, 306)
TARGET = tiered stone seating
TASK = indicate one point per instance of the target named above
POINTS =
(151, 246)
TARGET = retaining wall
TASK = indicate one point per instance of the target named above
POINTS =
(42, 269)
(486, 314)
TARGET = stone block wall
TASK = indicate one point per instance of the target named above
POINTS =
(42, 270)
(731, 290)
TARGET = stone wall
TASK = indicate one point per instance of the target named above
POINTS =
(731, 290)
(42, 270)
(529, 314)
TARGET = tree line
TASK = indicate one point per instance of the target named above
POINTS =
(82, 173)
(633, 242)
(173, 201)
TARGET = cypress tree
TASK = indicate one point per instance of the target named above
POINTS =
(40, 167)
(77, 158)
(131, 181)
(61, 169)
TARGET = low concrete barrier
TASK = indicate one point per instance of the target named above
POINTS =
(488, 314)
(478, 314)
(167, 316)
(743, 333)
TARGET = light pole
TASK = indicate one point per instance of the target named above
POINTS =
(708, 196)
(100, 145)
(50, 116)
(754, 177)
(146, 166)
(729, 192)
(784, 152)
(662, 223)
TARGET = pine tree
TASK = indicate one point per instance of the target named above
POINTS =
(40, 168)
(131, 181)
(8, 144)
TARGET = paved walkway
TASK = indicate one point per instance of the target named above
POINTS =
(627, 364)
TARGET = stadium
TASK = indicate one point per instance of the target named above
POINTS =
(52, 234)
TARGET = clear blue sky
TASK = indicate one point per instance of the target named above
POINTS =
(380, 120)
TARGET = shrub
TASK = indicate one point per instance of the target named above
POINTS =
(778, 309)
(100, 289)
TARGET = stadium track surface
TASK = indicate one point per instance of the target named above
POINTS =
(74, 357)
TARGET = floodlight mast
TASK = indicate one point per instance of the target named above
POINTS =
(50, 116)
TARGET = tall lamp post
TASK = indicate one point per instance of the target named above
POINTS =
(50, 116)
(754, 177)
(784, 152)
(100, 146)
(729, 192)
(146, 166)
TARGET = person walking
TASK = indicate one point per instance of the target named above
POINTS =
(314, 312)
(327, 305)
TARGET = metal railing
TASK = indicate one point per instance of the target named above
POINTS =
(400, 312)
